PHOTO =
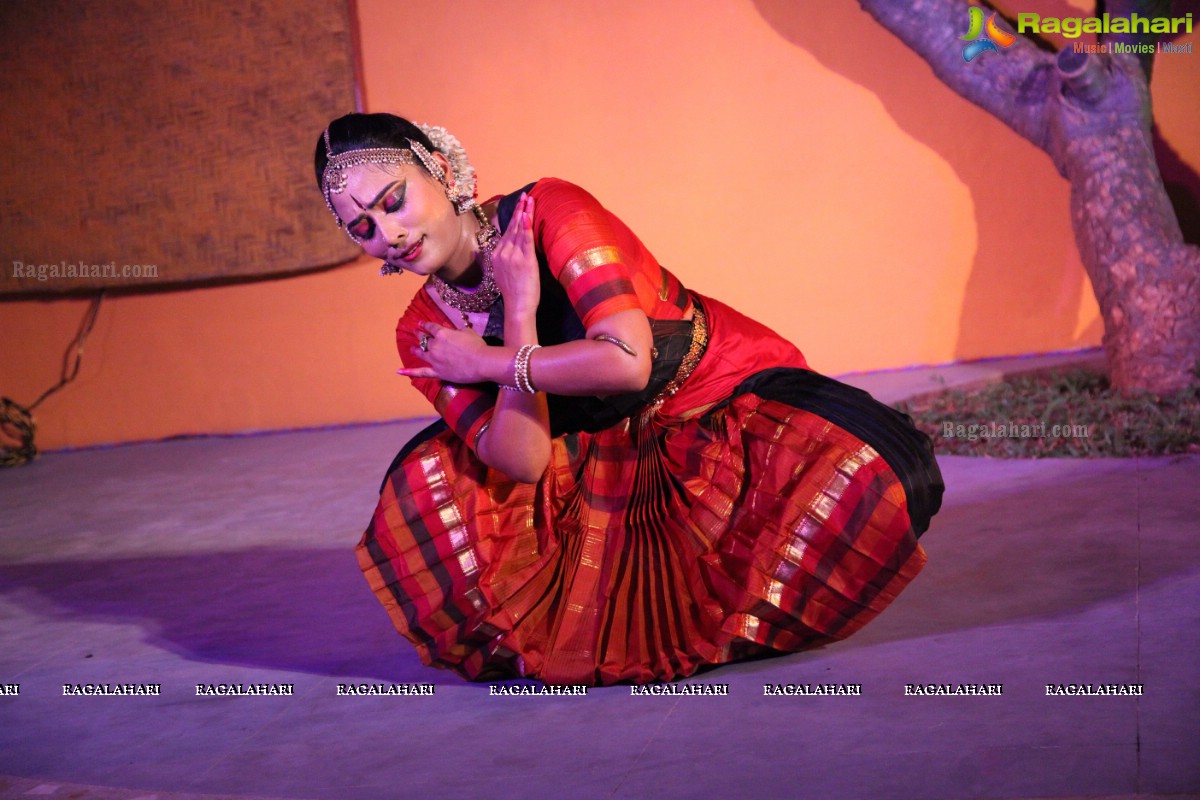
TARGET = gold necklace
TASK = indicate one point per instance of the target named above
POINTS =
(485, 295)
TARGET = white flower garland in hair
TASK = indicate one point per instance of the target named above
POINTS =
(448, 145)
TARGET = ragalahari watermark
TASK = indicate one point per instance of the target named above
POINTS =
(67, 270)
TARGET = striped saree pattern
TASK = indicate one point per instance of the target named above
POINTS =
(646, 551)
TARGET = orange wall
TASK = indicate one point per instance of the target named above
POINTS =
(792, 159)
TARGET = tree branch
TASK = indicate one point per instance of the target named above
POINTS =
(1090, 112)
(1143, 8)
(1012, 84)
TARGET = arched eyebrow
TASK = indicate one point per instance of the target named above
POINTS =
(378, 197)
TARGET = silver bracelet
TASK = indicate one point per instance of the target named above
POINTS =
(521, 376)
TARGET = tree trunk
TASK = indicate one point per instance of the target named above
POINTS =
(1090, 112)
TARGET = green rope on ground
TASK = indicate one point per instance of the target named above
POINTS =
(17, 424)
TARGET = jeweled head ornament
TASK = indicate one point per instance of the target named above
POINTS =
(461, 193)
(333, 179)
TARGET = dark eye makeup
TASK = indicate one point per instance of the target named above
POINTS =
(394, 199)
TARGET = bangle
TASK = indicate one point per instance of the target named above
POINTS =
(626, 348)
(521, 371)
(521, 377)
(524, 379)
(479, 434)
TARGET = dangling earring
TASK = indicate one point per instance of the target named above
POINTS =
(461, 201)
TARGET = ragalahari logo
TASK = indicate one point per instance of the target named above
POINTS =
(994, 35)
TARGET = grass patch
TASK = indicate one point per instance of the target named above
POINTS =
(1060, 413)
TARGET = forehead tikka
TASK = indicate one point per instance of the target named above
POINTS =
(334, 179)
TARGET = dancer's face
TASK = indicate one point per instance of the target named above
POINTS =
(400, 213)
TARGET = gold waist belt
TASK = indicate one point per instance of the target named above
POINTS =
(691, 358)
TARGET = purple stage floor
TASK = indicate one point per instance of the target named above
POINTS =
(229, 560)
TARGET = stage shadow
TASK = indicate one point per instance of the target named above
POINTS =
(295, 610)
(1036, 546)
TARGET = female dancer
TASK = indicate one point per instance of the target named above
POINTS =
(629, 481)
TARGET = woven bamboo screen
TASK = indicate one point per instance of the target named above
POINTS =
(149, 143)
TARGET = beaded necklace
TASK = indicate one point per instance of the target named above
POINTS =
(485, 295)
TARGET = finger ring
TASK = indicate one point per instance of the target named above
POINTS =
(424, 343)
